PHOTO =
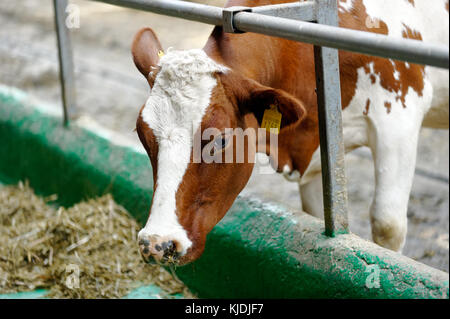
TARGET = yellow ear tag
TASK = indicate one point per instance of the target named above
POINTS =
(271, 119)
(161, 53)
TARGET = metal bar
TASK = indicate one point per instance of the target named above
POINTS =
(330, 128)
(228, 17)
(179, 9)
(66, 74)
(413, 51)
(305, 11)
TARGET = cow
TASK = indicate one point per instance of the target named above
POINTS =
(235, 78)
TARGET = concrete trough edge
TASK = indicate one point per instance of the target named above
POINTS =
(258, 250)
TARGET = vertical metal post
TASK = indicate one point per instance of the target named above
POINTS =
(330, 127)
(66, 73)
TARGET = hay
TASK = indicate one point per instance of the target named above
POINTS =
(91, 245)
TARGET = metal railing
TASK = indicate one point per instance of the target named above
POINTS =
(313, 22)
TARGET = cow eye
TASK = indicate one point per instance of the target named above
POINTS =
(220, 142)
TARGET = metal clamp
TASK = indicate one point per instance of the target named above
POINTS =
(228, 18)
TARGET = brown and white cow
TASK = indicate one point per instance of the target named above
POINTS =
(235, 77)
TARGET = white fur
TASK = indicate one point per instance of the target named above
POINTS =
(432, 21)
(396, 73)
(291, 175)
(346, 5)
(177, 103)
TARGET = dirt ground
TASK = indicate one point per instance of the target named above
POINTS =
(110, 90)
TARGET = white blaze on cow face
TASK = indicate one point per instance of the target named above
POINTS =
(178, 100)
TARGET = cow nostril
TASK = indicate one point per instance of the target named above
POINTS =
(170, 254)
(168, 246)
(144, 242)
(155, 250)
(150, 260)
(169, 249)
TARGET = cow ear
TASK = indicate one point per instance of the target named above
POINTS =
(262, 98)
(252, 97)
(146, 50)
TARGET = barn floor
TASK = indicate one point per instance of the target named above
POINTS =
(110, 91)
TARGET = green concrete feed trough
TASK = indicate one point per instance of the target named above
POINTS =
(258, 250)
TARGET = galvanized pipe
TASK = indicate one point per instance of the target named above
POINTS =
(66, 73)
(413, 51)
(332, 150)
(305, 11)
(321, 35)
(178, 9)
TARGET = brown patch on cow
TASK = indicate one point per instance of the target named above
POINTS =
(351, 62)
(289, 65)
(411, 77)
(409, 33)
(408, 77)
(366, 110)
(388, 106)
(411, 2)
(285, 62)
(446, 6)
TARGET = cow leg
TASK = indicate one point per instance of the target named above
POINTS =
(312, 198)
(394, 155)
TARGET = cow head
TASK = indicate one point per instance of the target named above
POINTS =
(192, 94)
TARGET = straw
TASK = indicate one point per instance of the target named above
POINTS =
(91, 245)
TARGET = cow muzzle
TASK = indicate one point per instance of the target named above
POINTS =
(161, 250)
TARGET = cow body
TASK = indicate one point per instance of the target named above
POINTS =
(236, 76)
